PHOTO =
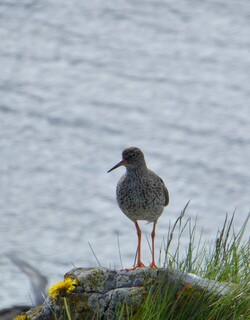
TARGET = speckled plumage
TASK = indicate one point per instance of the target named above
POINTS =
(141, 194)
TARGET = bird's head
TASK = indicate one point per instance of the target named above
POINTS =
(131, 158)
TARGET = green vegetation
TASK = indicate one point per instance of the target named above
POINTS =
(226, 260)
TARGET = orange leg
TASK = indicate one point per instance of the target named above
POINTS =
(139, 262)
(152, 264)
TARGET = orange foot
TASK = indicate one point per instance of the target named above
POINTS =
(153, 265)
(138, 265)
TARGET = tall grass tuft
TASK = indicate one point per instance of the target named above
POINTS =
(226, 259)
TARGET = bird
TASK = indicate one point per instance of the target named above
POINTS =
(38, 284)
(37, 280)
(141, 195)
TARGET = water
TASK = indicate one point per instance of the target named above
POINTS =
(79, 82)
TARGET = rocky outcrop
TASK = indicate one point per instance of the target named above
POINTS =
(100, 292)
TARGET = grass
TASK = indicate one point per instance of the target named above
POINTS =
(226, 260)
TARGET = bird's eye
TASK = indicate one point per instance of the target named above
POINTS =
(133, 155)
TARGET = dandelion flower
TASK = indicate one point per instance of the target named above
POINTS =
(21, 317)
(62, 288)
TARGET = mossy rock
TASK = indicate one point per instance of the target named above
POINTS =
(98, 293)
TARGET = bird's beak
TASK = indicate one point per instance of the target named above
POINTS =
(121, 163)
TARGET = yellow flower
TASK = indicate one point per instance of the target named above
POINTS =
(21, 317)
(62, 288)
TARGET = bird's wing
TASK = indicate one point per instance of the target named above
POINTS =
(37, 280)
(166, 193)
(164, 188)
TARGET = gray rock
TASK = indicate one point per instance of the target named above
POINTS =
(100, 292)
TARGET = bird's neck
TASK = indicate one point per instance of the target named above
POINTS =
(137, 171)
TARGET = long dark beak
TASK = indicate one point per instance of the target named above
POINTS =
(121, 163)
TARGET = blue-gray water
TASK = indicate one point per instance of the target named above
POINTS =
(81, 80)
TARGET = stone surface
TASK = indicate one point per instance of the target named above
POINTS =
(100, 292)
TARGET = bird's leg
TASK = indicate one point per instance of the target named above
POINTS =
(139, 262)
(152, 264)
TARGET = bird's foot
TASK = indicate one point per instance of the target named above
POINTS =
(138, 265)
(153, 265)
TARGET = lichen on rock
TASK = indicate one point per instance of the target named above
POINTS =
(101, 292)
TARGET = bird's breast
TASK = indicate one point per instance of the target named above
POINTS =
(139, 194)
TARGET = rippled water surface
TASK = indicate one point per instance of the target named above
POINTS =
(82, 80)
